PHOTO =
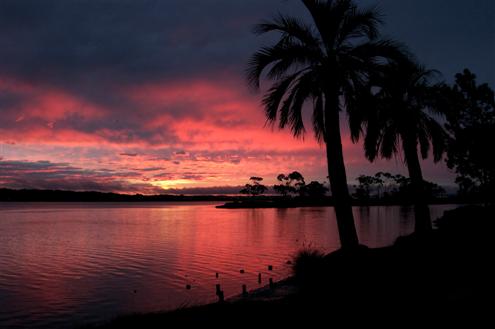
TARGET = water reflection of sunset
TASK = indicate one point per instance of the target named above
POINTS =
(60, 260)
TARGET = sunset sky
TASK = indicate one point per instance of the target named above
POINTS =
(142, 96)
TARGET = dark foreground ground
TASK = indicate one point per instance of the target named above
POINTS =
(444, 279)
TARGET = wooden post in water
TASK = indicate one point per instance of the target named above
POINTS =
(244, 290)
(220, 296)
(259, 278)
(219, 293)
(271, 283)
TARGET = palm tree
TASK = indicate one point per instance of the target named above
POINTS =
(323, 63)
(401, 116)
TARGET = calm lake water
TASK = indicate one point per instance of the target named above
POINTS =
(65, 264)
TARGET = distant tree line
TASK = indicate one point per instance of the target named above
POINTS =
(388, 187)
(289, 186)
(382, 186)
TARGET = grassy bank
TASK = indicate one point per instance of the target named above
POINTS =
(442, 278)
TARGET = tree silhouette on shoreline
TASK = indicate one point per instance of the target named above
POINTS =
(401, 119)
(325, 64)
(470, 123)
(255, 188)
(289, 184)
(384, 186)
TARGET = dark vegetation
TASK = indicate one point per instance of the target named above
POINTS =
(381, 189)
(292, 189)
(255, 187)
(290, 184)
(391, 188)
(444, 275)
(398, 117)
(470, 113)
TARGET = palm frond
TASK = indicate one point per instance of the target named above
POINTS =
(282, 56)
(291, 28)
(389, 142)
(319, 119)
(360, 24)
(438, 138)
(424, 141)
(384, 50)
(328, 17)
(273, 98)
(359, 102)
(285, 109)
(372, 140)
(304, 89)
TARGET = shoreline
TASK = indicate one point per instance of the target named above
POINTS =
(248, 204)
(280, 289)
(230, 201)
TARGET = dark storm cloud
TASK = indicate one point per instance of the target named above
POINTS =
(89, 48)
(205, 190)
(64, 42)
(95, 49)
(75, 43)
(148, 169)
(447, 35)
(10, 99)
(49, 175)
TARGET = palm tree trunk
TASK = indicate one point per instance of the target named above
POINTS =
(422, 218)
(337, 176)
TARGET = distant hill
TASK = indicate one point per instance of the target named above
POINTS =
(26, 195)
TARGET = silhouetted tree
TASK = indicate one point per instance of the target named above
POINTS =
(323, 63)
(406, 190)
(402, 118)
(314, 190)
(255, 188)
(396, 187)
(370, 184)
(289, 184)
(363, 190)
(387, 183)
(470, 114)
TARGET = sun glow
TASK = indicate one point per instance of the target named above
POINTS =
(174, 183)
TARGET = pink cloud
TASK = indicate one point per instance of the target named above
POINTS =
(206, 132)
